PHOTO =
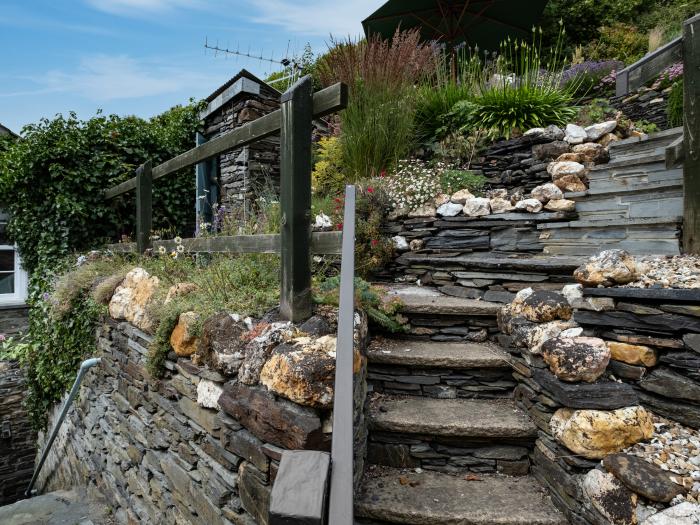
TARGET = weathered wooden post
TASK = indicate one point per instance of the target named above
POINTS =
(295, 200)
(691, 132)
(144, 206)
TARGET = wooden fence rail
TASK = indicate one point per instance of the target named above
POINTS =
(295, 243)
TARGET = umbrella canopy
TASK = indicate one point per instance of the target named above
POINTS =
(484, 23)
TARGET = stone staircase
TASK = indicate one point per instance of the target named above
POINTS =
(633, 203)
(64, 507)
(447, 445)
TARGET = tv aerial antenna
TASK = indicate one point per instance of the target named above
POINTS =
(292, 68)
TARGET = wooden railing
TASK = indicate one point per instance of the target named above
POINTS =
(648, 67)
(295, 243)
(310, 488)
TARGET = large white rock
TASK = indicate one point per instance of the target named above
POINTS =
(560, 205)
(400, 243)
(132, 297)
(529, 205)
(208, 393)
(461, 196)
(562, 169)
(477, 207)
(500, 205)
(323, 221)
(597, 131)
(685, 513)
(450, 209)
(546, 192)
(575, 134)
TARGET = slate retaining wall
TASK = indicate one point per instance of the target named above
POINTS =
(166, 452)
(666, 322)
(17, 438)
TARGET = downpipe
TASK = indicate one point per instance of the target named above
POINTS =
(84, 367)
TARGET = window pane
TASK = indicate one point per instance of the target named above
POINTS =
(7, 260)
(7, 283)
(3, 234)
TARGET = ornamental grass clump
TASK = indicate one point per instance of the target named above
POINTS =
(524, 91)
(377, 127)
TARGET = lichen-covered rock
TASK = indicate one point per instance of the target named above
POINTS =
(551, 150)
(575, 134)
(576, 359)
(427, 210)
(560, 205)
(611, 498)
(441, 199)
(529, 205)
(258, 350)
(633, 354)
(498, 193)
(499, 205)
(461, 196)
(596, 131)
(571, 184)
(183, 338)
(542, 306)
(303, 371)
(222, 342)
(131, 299)
(546, 192)
(477, 207)
(608, 268)
(550, 132)
(685, 513)
(596, 433)
(449, 209)
(608, 139)
(535, 335)
(416, 245)
(559, 170)
(642, 477)
(592, 152)
(178, 290)
(570, 157)
(574, 295)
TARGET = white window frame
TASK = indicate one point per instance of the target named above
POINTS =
(19, 298)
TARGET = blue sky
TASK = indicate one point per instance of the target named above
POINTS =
(143, 56)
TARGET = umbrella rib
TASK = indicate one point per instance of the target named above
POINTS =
(404, 13)
(431, 26)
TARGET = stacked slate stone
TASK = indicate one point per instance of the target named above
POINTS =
(203, 443)
(17, 438)
(255, 167)
(582, 359)
(646, 104)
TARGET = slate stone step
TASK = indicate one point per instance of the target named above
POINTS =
(426, 354)
(425, 300)
(467, 419)
(637, 144)
(494, 261)
(60, 507)
(393, 496)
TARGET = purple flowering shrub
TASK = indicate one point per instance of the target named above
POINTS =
(592, 75)
(668, 76)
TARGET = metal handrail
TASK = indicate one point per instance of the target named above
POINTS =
(84, 367)
(663, 56)
(340, 510)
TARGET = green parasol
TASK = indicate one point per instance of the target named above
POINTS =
(482, 23)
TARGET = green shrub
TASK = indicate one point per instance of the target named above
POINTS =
(675, 105)
(618, 41)
(597, 110)
(328, 176)
(645, 126)
(451, 181)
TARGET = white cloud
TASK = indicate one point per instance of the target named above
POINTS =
(103, 78)
(141, 7)
(316, 17)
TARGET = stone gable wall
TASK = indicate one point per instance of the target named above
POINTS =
(17, 439)
(194, 447)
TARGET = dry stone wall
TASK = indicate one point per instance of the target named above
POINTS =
(197, 446)
(17, 439)
(611, 372)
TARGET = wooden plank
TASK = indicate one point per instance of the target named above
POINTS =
(691, 131)
(144, 207)
(341, 509)
(299, 495)
(322, 243)
(295, 200)
(325, 102)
